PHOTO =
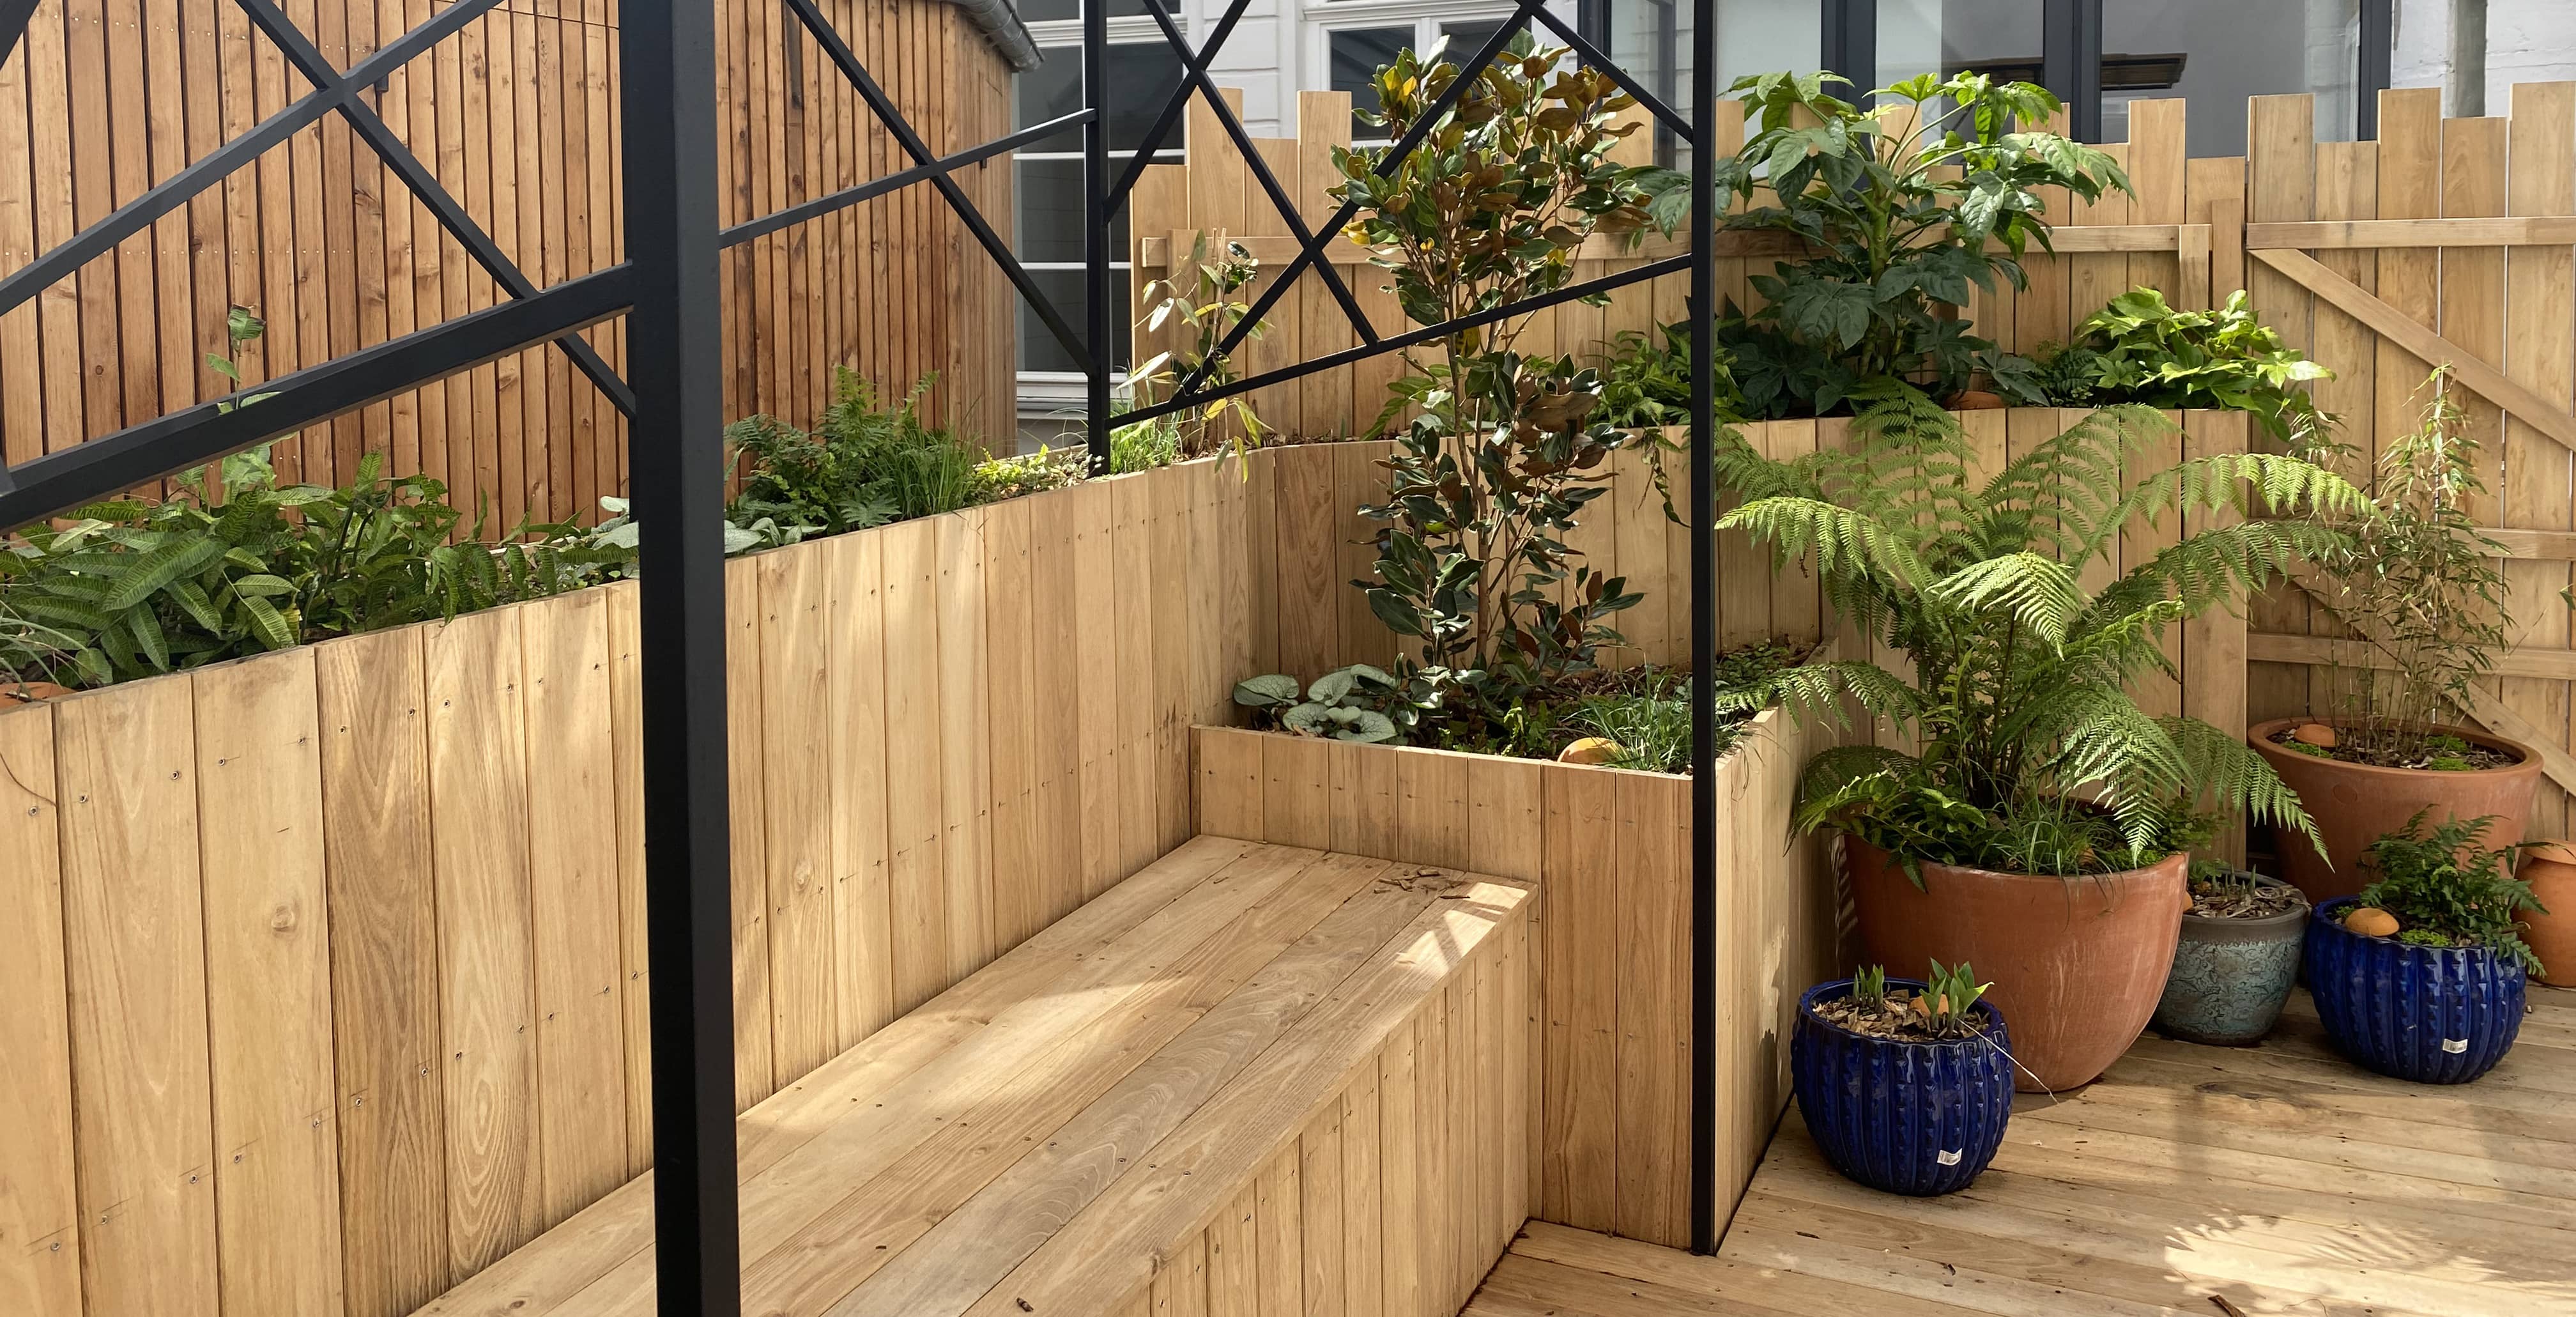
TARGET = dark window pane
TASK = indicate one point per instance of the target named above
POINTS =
(1051, 210)
(1142, 77)
(1038, 348)
(1042, 11)
(1357, 55)
(1467, 36)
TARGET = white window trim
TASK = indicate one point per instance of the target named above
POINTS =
(1423, 16)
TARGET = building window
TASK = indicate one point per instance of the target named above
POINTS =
(1359, 37)
(1144, 71)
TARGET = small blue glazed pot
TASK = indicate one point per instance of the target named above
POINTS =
(2230, 976)
(2435, 1015)
(1905, 1117)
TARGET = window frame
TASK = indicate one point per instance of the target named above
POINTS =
(1053, 390)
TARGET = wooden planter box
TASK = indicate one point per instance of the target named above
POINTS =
(1611, 852)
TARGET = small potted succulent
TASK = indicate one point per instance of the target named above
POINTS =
(1905, 1085)
(2237, 958)
(2422, 586)
(2421, 975)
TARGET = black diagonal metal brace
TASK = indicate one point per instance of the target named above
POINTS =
(1196, 72)
(1468, 73)
(173, 192)
(1175, 101)
(829, 38)
(425, 187)
(138, 454)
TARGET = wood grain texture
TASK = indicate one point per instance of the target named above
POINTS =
(133, 930)
(268, 985)
(2275, 1157)
(479, 837)
(384, 969)
(40, 1235)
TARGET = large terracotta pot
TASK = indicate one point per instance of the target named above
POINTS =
(15, 693)
(2078, 964)
(2354, 804)
(2550, 868)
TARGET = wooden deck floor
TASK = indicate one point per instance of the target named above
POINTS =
(2191, 1180)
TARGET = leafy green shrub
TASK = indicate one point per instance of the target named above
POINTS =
(1899, 204)
(1506, 450)
(865, 464)
(1646, 385)
(1356, 703)
(144, 588)
(1207, 313)
(2138, 349)
(1030, 473)
(2418, 579)
(2447, 892)
(2031, 754)
(29, 650)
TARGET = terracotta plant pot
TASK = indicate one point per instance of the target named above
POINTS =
(2354, 804)
(1976, 400)
(2550, 868)
(2078, 964)
(16, 693)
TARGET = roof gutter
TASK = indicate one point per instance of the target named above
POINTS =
(1002, 26)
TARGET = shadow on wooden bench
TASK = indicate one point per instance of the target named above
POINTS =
(1249, 1078)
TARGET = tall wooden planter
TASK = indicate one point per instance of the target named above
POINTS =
(1611, 851)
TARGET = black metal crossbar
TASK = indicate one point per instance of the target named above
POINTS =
(1332, 228)
(1194, 74)
(1176, 101)
(1410, 338)
(166, 445)
(1593, 55)
(842, 57)
(901, 178)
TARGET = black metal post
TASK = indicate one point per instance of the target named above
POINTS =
(1703, 605)
(675, 341)
(2070, 46)
(2378, 49)
(1095, 236)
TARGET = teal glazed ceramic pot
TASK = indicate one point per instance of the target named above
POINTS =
(2230, 976)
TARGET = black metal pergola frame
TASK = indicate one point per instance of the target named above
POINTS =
(667, 288)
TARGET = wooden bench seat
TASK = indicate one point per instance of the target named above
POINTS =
(1248, 1073)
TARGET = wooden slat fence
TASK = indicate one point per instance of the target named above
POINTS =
(2447, 240)
(516, 114)
(330, 988)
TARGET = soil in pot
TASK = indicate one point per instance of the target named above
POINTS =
(2354, 802)
(2078, 964)
(2235, 960)
(2550, 868)
(2434, 1015)
(1907, 1115)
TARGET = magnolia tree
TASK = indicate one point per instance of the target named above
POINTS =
(1504, 448)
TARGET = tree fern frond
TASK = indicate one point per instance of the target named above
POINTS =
(2230, 777)
(2039, 590)
(1830, 690)
(1843, 775)
(1845, 542)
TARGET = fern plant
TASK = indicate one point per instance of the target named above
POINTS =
(2447, 890)
(2030, 755)
(239, 564)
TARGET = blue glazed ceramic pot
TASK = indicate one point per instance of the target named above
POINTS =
(2435, 1015)
(1905, 1117)
(2230, 976)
